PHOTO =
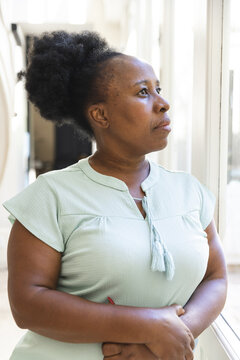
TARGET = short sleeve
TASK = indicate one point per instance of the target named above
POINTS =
(207, 203)
(37, 209)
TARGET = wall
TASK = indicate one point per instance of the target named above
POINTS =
(13, 159)
(13, 138)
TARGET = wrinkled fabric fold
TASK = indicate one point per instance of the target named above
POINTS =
(161, 258)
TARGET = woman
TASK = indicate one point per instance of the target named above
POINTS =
(113, 225)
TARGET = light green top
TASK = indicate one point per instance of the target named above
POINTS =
(107, 245)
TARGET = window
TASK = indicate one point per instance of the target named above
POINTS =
(232, 210)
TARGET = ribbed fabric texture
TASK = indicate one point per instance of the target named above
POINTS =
(161, 258)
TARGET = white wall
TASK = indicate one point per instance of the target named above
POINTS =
(13, 159)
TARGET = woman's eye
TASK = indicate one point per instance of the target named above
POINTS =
(144, 91)
(159, 90)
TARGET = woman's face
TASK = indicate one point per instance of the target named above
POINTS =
(134, 107)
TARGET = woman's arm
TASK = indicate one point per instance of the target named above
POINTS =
(206, 302)
(36, 304)
(209, 298)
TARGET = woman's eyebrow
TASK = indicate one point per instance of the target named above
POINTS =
(145, 82)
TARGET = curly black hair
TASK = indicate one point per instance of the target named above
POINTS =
(63, 73)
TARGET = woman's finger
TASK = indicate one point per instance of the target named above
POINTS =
(136, 351)
(111, 349)
(189, 356)
(192, 344)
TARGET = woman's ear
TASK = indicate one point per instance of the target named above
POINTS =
(97, 115)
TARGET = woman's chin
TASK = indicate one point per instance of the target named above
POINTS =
(162, 146)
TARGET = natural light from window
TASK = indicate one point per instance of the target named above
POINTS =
(232, 234)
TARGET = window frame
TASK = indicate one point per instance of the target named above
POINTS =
(211, 166)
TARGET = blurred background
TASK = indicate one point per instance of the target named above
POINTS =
(194, 48)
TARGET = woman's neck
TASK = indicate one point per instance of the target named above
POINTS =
(117, 164)
(132, 171)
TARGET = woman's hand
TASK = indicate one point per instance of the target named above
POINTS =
(172, 339)
(113, 351)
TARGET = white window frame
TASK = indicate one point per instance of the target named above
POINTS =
(210, 149)
(218, 342)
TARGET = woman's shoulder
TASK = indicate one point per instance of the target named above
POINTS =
(180, 176)
(61, 173)
(179, 182)
(66, 177)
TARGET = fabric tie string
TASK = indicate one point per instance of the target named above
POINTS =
(161, 258)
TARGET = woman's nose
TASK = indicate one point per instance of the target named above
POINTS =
(160, 104)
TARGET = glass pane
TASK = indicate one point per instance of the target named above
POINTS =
(176, 79)
(182, 84)
(232, 234)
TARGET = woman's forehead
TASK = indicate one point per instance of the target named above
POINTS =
(130, 71)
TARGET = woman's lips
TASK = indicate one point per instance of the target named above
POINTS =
(164, 126)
